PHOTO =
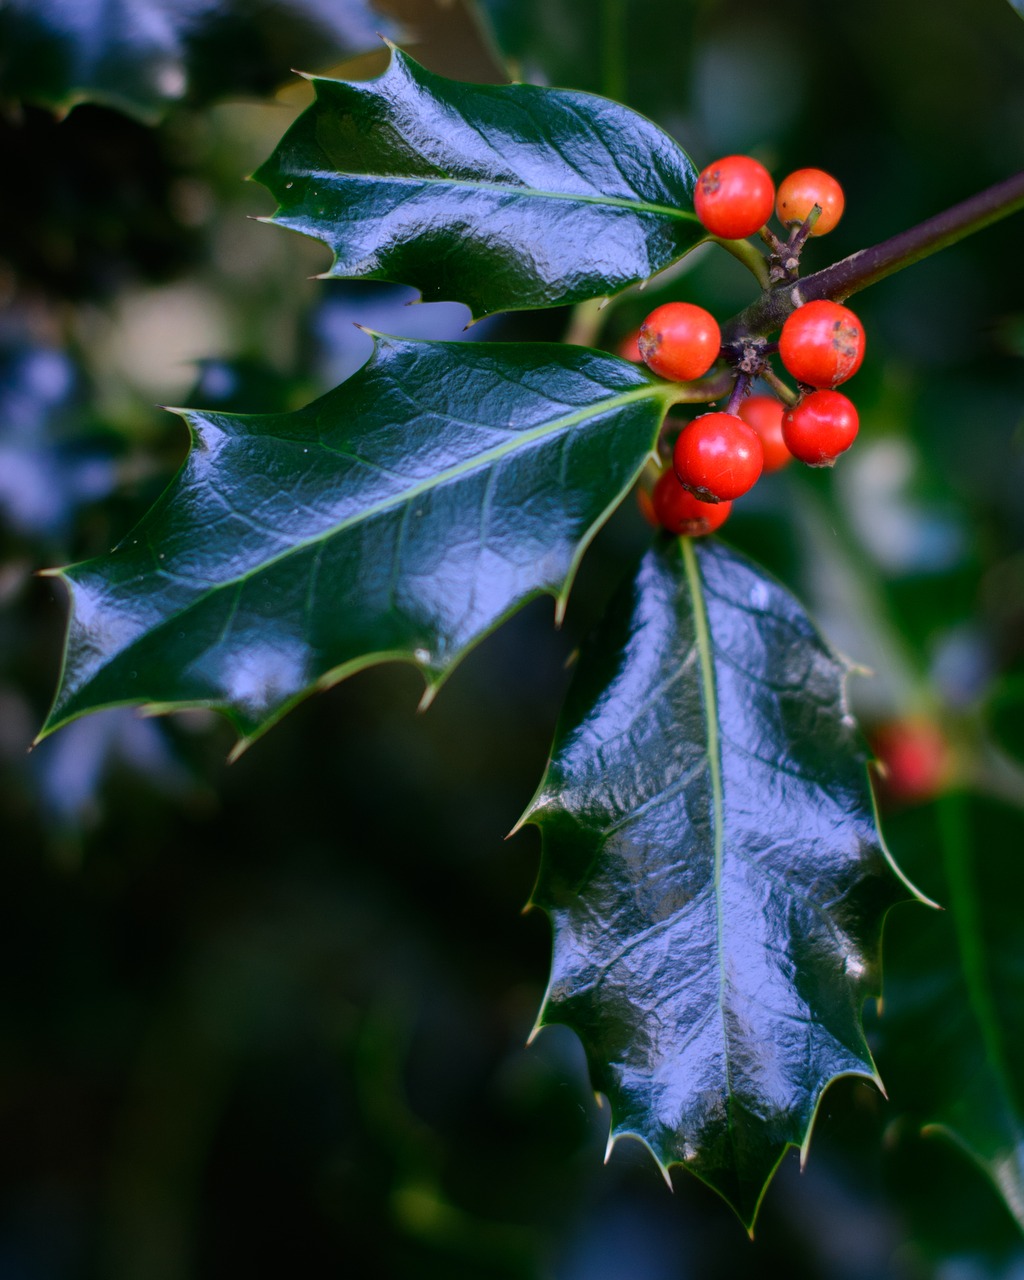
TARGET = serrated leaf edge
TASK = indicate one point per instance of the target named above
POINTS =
(433, 678)
(870, 1072)
(402, 60)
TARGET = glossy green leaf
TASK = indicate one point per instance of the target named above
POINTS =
(952, 1038)
(505, 197)
(401, 516)
(635, 51)
(712, 869)
(142, 55)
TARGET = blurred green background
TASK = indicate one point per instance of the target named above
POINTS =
(271, 1018)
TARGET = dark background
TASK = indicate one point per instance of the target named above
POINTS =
(270, 1018)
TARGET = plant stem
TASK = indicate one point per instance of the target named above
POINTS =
(786, 394)
(743, 251)
(585, 323)
(856, 272)
(739, 393)
(711, 387)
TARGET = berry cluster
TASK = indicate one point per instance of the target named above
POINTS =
(719, 456)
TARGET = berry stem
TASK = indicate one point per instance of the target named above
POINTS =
(743, 251)
(799, 237)
(739, 392)
(712, 387)
(775, 245)
(786, 394)
(839, 281)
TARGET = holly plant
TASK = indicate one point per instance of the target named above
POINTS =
(711, 864)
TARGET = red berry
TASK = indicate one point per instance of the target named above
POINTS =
(801, 191)
(680, 512)
(629, 347)
(718, 457)
(734, 197)
(679, 341)
(822, 344)
(915, 759)
(821, 427)
(645, 501)
(764, 414)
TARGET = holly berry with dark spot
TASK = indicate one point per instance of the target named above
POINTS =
(734, 197)
(679, 341)
(677, 510)
(822, 344)
(718, 457)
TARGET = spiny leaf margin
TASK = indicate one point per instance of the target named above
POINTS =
(403, 516)
(707, 795)
(502, 197)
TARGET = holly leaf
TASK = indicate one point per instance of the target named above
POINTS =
(712, 869)
(952, 1039)
(503, 197)
(142, 55)
(632, 50)
(400, 517)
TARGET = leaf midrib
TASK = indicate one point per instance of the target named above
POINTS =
(489, 456)
(619, 202)
(702, 640)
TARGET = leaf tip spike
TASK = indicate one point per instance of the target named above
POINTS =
(239, 750)
(515, 830)
(429, 694)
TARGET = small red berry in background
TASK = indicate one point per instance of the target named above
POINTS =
(822, 344)
(677, 510)
(629, 347)
(821, 427)
(914, 760)
(734, 197)
(645, 501)
(680, 341)
(801, 191)
(764, 414)
(718, 457)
